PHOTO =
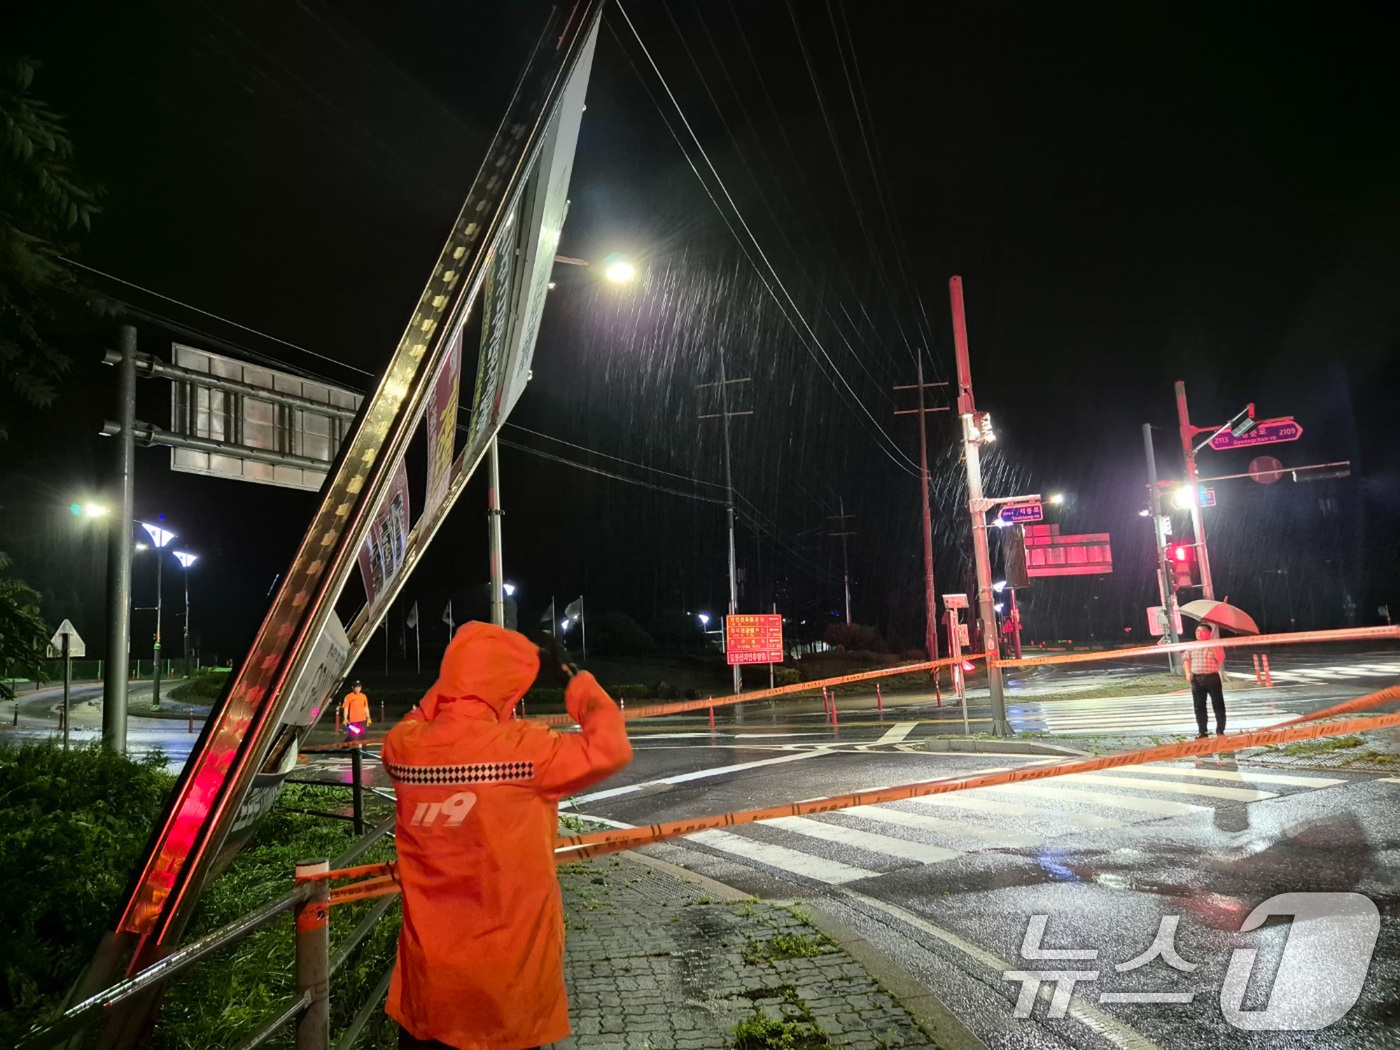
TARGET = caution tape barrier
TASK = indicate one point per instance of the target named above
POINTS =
(582, 847)
(384, 878)
(684, 706)
(1348, 634)
(1361, 703)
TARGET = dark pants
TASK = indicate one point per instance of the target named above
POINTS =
(1203, 685)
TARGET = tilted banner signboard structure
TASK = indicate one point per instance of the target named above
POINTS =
(502, 242)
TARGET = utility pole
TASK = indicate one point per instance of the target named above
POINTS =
(1165, 585)
(976, 428)
(723, 415)
(119, 552)
(493, 518)
(843, 517)
(1198, 527)
(930, 598)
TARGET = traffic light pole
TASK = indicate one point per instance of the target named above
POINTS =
(1198, 527)
(117, 668)
(1164, 580)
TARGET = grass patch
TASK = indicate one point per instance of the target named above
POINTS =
(204, 687)
(1321, 747)
(1372, 757)
(796, 1029)
(785, 946)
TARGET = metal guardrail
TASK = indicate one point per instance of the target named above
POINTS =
(310, 902)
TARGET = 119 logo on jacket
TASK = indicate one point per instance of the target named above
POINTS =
(455, 807)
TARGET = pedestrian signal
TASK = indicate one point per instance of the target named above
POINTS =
(1184, 572)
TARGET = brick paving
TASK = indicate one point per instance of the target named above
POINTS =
(654, 961)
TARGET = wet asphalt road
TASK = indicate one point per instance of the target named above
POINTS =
(948, 892)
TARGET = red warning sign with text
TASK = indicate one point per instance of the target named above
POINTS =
(754, 639)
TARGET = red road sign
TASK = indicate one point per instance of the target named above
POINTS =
(754, 639)
(1268, 432)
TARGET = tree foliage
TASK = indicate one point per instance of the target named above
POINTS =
(44, 208)
(23, 633)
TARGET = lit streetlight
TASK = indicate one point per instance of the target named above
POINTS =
(90, 510)
(186, 559)
(160, 539)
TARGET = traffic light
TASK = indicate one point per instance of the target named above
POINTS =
(1183, 561)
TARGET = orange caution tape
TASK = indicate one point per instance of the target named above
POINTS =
(1361, 703)
(1350, 634)
(582, 847)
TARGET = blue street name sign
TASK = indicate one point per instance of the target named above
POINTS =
(1020, 513)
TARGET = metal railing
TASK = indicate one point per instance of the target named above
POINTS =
(310, 903)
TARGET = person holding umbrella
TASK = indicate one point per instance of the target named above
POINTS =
(1203, 673)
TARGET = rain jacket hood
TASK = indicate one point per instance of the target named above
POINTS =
(481, 950)
(486, 663)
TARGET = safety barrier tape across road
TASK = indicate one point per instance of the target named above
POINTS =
(683, 706)
(569, 849)
(1361, 703)
(581, 847)
(1348, 634)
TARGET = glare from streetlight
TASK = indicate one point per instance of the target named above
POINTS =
(90, 510)
(1183, 498)
(620, 272)
(1000, 607)
(704, 619)
(1058, 497)
(564, 624)
(999, 586)
(509, 588)
(139, 546)
(185, 558)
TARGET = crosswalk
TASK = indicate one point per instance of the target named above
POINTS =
(1162, 713)
(866, 842)
(1334, 673)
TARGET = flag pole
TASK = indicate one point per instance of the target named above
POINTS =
(583, 623)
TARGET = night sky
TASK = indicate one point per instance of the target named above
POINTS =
(1133, 194)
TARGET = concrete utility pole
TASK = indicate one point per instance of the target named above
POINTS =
(118, 664)
(843, 517)
(930, 597)
(1165, 585)
(493, 518)
(1198, 528)
(976, 428)
(723, 415)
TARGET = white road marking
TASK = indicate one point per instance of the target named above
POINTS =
(896, 733)
(1236, 775)
(1103, 798)
(782, 858)
(1204, 790)
(941, 825)
(1104, 1025)
(699, 774)
(885, 845)
(964, 800)
(1390, 780)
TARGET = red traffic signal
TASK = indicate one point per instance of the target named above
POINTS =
(1184, 565)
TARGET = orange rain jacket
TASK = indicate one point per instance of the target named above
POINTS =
(481, 952)
(355, 708)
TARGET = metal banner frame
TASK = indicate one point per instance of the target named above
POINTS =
(241, 742)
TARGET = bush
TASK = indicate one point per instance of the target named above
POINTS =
(73, 824)
(853, 637)
(914, 656)
(629, 692)
(663, 690)
(786, 676)
(206, 686)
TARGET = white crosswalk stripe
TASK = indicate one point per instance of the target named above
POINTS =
(1171, 713)
(837, 848)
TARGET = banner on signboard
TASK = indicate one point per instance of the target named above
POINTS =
(382, 555)
(442, 425)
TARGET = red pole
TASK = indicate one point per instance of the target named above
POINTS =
(834, 720)
(826, 702)
(1268, 678)
(712, 716)
(879, 700)
(191, 721)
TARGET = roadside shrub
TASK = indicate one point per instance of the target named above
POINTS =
(663, 690)
(786, 676)
(630, 692)
(853, 637)
(72, 826)
(914, 656)
(203, 687)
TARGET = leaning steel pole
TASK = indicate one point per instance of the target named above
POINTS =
(1168, 591)
(1198, 525)
(976, 504)
(729, 515)
(118, 664)
(930, 598)
(493, 513)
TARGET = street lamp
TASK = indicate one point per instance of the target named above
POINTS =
(704, 619)
(186, 559)
(1057, 497)
(160, 539)
(620, 271)
(90, 510)
(509, 588)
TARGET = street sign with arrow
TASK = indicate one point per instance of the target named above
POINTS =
(1266, 432)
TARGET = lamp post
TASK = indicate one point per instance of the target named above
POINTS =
(160, 539)
(186, 559)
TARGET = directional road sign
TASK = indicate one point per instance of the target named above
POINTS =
(1020, 513)
(1267, 432)
(1206, 497)
(76, 646)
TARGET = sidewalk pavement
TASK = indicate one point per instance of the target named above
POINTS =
(659, 957)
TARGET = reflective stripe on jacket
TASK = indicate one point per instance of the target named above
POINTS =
(480, 960)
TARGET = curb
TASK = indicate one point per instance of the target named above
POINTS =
(938, 1022)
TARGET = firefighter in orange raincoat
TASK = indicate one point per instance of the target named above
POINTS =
(481, 951)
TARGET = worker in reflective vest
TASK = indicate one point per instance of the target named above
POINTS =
(481, 951)
(354, 713)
